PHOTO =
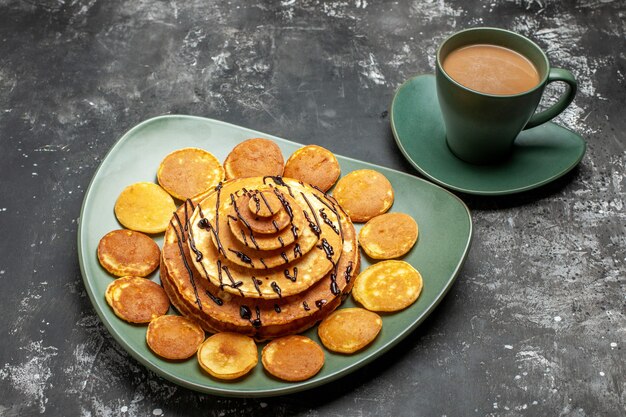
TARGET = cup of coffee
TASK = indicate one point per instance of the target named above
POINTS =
(489, 84)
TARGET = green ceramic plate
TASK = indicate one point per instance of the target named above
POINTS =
(444, 224)
(540, 155)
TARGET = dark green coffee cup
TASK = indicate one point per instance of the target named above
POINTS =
(480, 127)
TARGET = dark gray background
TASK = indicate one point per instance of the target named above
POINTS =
(535, 323)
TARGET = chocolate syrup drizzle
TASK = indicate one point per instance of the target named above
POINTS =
(325, 193)
(334, 288)
(315, 227)
(187, 267)
(244, 312)
(277, 308)
(297, 251)
(306, 306)
(220, 277)
(332, 208)
(348, 273)
(285, 203)
(276, 289)
(180, 239)
(256, 323)
(250, 231)
(192, 242)
(278, 181)
(320, 303)
(214, 298)
(243, 235)
(266, 204)
(328, 221)
(204, 223)
(325, 246)
(256, 283)
(216, 229)
(244, 258)
(293, 277)
(257, 202)
(328, 249)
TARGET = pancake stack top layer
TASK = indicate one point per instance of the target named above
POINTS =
(264, 256)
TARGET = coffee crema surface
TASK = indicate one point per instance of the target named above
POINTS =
(491, 69)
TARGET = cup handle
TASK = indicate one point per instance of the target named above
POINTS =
(556, 74)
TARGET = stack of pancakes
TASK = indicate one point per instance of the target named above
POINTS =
(261, 256)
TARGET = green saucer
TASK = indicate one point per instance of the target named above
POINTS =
(540, 155)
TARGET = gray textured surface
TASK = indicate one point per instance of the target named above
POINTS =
(535, 324)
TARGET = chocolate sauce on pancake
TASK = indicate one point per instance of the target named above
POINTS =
(315, 227)
(256, 200)
(214, 298)
(232, 284)
(332, 207)
(334, 288)
(328, 249)
(266, 204)
(244, 258)
(276, 288)
(293, 277)
(278, 181)
(257, 322)
(347, 273)
(244, 221)
(244, 312)
(184, 258)
(256, 283)
(285, 203)
(328, 221)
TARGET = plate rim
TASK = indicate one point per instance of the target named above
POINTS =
(255, 393)
(469, 190)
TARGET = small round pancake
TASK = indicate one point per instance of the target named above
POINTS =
(254, 158)
(228, 355)
(387, 286)
(137, 300)
(292, 358)
(174, 337)
(349, 329)
(388, 236)
(264, 203)
(125, 252)
(313, 165)
(364, 194)
(187, 172)
(144, 207)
